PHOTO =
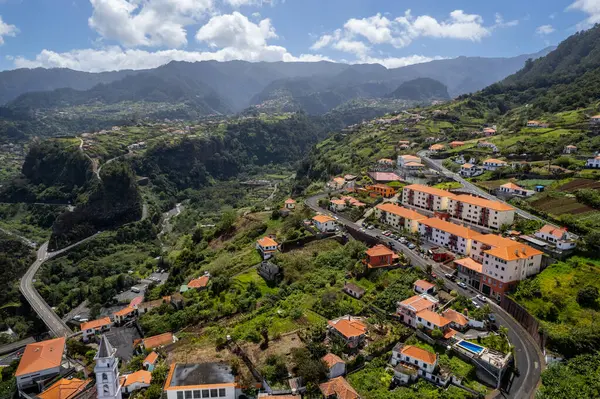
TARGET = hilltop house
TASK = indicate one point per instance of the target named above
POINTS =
(201, 380)
(40, 362)
(456, 144)
(267, 247)
(136, 381)
(493, 164)
(269, 271)
(354, 290)
(124, 315)
(150, 361)
(407, 310)
(199, 283)
(352, 330)
(436, 148)
(411, 362)
(66, 388)
(513, 189)
(382, 190)
(324, 223)
(558, 236)
(338, 388)
(404, 159)
(488, 131)
(570, 149)
(595, 120)
(470, 170)
(535, 123)
(593, 163)
(424, 287)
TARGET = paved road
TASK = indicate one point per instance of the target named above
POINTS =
(528, 357)
(55, 325)
(470, 186)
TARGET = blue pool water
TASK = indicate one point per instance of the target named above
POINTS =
(471, 347)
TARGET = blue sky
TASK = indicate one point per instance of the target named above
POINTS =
(97, 35)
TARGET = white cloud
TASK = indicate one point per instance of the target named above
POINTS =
(397, 62)
(544, 30)
(240, 3)
(147, 23)
(590, 7)
(501, 23)
(6, 30)
(236, 30)
(116, 58)
(375, 29)
(351, 46)
(403, 30)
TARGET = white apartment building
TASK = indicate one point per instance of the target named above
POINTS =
(449, 235)
(503, 267)
(481, 212)
(425, 197)
(399, 217)
(484, 242)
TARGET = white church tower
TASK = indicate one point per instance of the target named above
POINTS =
(107, 371)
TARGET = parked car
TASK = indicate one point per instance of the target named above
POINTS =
(411, 246)
(492, 318)
(403, 240)
(135, 289)
(477, 306)
(462, 285)
(450, 276)
(371, 227)
(481, 298)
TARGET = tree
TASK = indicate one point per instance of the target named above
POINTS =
(154, 391)
(198, 235)
(436, 333)
(588, 297)
(310, 369)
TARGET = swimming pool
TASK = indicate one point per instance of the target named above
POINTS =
(471, 347)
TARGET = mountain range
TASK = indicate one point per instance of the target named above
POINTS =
(240, 84)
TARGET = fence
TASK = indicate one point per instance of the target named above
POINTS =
(525, 319)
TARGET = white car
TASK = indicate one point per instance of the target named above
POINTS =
(477, 306)
(462, 285)
(481, 298)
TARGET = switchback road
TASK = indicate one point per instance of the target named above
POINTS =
(528, 358)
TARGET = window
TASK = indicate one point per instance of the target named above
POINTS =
(205, 393)
(222, 392)
(197, 394)
(106, 390)
(188, 394)
(214, 393)
(104, 377)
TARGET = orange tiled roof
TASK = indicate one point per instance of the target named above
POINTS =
(199, 282)
(429, 190)
(455, 317)
(95, 324)
(470, 264)
(331, 360)
(290, 201)
(267, 242)
(484, 203)
(416, 164)
(401, 211)
(411, 157)
(418, 353)
(403, 142)
(450, 333)
(339, 387)
(64, 389)
(349, 328)
(417, 302)
(511, 186)
(494, 160)
(557, 232)
(151, 358)
(379, 250)
(494, 240)
(41, 356)
(467, 166)
(140, 376)
(457, 143)
(323, 218)
(517, 251)
(158, 340)
(448, 227)
(124, 311)
(338, 201)
(423, 284)
(571, 146)
(434, 318)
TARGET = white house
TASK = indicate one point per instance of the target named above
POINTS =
(424, 287)
(404, 159)
(91, 328)
(557, 236)
(407, 309)
(201, 380)
(449, 235)
(493, 164)
(470, 170)
(480, 211)
(425, 197)
(336, 366)
(593, 162)
(267, 247)
(137, 380)
(290, 203)
(570, 149)
(513, 189)
(536, 124)
(40, 361)
(411, 362)
(150, 361)
(324, 223)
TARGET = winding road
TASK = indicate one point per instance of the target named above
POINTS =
(529, 360)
